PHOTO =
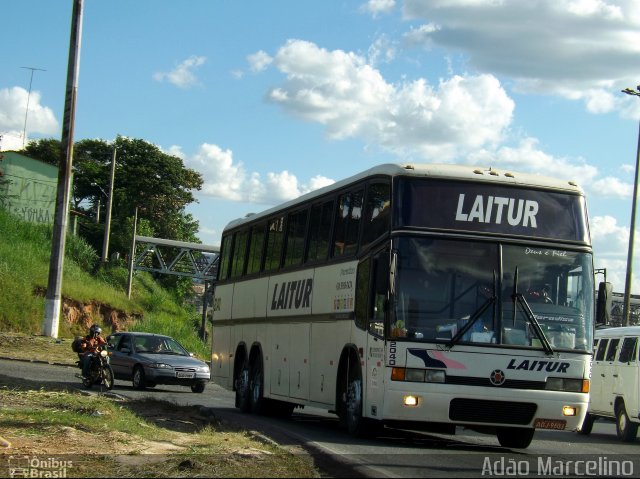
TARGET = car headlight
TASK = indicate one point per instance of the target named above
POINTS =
(160, 366)
(203, 369)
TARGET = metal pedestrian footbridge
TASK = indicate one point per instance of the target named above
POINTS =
(179, 258)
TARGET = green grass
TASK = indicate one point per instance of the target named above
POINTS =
(25, 250)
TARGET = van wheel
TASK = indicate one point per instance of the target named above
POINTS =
(587, 425)
(625, 429)
(515, 437)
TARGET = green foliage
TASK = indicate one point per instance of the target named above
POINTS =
(25, 250)
(156, 183)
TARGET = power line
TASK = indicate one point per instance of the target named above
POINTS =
(26, 113)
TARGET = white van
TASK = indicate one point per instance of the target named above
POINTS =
(615, 381)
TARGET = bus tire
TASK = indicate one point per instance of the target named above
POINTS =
(256, 386)
(515, 437)
(625, 429)
(243, 401)
(351, 407)
(587, 424)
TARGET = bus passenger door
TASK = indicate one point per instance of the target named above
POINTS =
(376, 301)
(299, 365)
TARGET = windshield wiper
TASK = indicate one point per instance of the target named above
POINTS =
(474, 317)
(518, 298)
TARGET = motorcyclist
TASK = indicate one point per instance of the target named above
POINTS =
(89, 346)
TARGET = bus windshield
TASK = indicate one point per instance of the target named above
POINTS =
(442, 284)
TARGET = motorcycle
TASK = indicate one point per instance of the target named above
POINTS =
(100, 371)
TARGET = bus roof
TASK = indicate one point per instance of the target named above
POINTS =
(452, 172)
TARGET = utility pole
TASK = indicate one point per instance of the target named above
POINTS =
(107, 224)
(26, 113)
(632, 231)
(53, 300)
(133, 254)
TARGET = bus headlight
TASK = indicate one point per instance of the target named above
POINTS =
(566, 384)
(569, 411)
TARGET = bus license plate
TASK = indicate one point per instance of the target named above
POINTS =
(557, 424)
(184, 375)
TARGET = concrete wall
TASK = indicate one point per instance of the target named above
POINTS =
(31, 191)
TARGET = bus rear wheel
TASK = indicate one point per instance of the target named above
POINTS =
(515, 437)
(256, 386)
(243, 401)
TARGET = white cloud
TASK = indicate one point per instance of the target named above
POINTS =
(595, 43)
(382, 50)
(343, 92)
(183, 75)
(259, 61)
(13, 104)
(375, 7)
(228, 179)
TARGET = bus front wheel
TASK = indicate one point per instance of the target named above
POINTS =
(587, 425)
(515, 437)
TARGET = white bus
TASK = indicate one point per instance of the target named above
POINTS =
(421, 296)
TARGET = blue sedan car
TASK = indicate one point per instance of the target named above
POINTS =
(148, 359)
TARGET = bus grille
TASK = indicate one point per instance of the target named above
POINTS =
(485, 382)
(499, 412)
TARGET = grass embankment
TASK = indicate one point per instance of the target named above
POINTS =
(92, 436)
(25, 251)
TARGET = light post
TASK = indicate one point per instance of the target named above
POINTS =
(627, 283)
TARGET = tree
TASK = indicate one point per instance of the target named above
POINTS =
(157, 183)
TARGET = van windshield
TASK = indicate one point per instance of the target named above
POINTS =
(442, 284)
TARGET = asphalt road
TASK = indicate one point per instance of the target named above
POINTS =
(396, 453)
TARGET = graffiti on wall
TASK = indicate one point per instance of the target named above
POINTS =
(29, 199)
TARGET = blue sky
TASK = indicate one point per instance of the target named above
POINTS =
(269, 100)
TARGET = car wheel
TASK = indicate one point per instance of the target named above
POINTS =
(625, 429)
(139, 380)
(197, 388)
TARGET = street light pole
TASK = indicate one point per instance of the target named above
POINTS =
(632, 230)
(107, 224)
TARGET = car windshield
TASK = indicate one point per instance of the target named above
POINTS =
(159, 345)
(441, 285)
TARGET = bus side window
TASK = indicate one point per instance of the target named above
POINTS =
(296, 230)
(275, 238)
(602, 347)
(612, 349)
(627, 352)
(347, 223)
(239, 253)
(377, 213)
(225, 259)
(320, 231)
(256, 246)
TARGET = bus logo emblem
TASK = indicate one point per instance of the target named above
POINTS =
(497, 378)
